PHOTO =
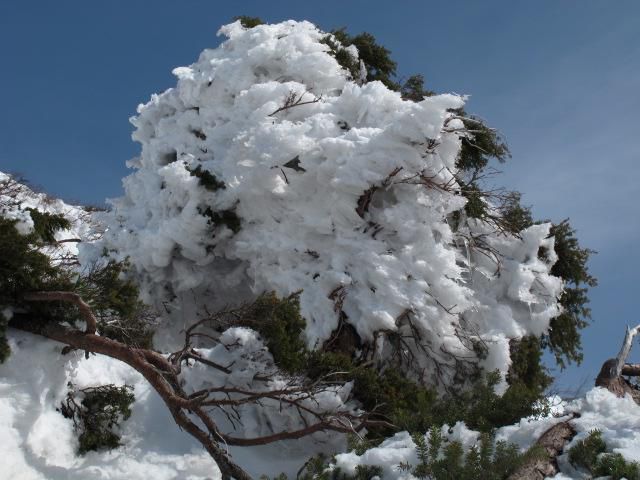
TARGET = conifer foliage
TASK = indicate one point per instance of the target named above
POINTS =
(97, 413)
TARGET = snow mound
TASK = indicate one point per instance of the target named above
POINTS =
(41, 444)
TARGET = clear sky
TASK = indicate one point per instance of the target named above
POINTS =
(560, 79)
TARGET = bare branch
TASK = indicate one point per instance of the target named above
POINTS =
(610, 376)
(625, 349)
(295, 100)
(631, 369)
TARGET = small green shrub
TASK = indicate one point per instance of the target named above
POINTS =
(585, 452)
(590, 455)
(97, 417)
(282, 327)
(437, 460)
(615, 466)
(486, 461)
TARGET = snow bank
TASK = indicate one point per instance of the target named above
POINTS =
(39, 443)
(320, 184)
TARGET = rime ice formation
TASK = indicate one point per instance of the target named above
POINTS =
(267, 169)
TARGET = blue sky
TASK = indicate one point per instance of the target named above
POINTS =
(560, 79)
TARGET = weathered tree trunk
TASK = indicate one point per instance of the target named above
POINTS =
(612, 371)
(553, 442)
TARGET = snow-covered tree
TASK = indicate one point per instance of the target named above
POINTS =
(313, 233)
(272, 167)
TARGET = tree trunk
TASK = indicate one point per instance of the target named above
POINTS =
(612, 371)
(553, 442)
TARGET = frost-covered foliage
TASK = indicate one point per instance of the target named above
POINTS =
(39, 238)
(96, 413)
(33, 251)
(58, 225)
(267, 168)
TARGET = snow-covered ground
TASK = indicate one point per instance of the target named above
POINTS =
(39, 443)
(16, 198)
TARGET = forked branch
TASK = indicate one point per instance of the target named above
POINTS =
(295, 100)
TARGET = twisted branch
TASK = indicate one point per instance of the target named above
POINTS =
(163, 374)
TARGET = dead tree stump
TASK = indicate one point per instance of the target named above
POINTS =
(612, 373)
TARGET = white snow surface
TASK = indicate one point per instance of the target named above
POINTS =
(294, 177)
(39, 443)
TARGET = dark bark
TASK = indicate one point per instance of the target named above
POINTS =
(617, 384)
(631, 369)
